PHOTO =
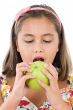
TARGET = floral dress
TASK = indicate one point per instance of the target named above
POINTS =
(26, 104)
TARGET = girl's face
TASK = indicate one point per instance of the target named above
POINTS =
(37, 38)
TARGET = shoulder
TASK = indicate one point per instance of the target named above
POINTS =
(70, 81)
(1, 81)
(68, 91)
(1, 100)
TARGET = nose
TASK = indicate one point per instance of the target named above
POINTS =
(38, 48)
(40, 51)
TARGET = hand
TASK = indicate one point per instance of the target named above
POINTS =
(19, 88)
(52, 91)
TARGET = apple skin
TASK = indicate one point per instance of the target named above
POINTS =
(36, 68)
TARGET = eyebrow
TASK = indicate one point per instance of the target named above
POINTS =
(25, 35)
(46, 34)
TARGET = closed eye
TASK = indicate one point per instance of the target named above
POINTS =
(46, 41)
(29, 41)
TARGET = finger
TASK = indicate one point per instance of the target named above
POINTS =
(25, 77)
(29, 63)
(52, 70)
(21, 71)
(25, 69)
(21, 64)
(44, 85)
(53, 82)
(50, 77)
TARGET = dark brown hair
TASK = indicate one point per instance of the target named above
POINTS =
(62, 59)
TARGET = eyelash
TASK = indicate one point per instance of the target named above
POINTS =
(43, 40)
(28, 41)
(47, 41)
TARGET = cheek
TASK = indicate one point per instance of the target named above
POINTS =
(26, 56)
(52, 56)
(23, 47)
(26, 53)
(50, 53)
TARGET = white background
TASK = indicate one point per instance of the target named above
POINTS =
(9, 8)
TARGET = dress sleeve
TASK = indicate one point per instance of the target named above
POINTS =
(70, 89)
(67, 93)
(1, 79)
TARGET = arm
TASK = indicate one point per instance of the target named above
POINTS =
(52, 90)
(1, 99)
(19, 88)
(10, 104)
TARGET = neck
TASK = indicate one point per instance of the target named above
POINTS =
(62, 84)
(36, 97)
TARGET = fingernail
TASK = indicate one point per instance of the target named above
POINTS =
(39, 81)
(46, 65)
(30, 70)
(30, 63)
(43, 70)
(33, 76)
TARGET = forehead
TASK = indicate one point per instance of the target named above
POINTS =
(37, 23)
(37, 26)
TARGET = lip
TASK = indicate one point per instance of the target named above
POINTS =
(39, 58)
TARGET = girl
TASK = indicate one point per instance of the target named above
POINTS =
(37, 33)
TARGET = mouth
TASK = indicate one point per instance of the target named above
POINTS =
(38, 59)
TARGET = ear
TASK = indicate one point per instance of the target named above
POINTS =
(57, 49)
(17, 46)
(17, 50)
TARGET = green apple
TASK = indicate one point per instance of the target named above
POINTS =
(37, 68)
